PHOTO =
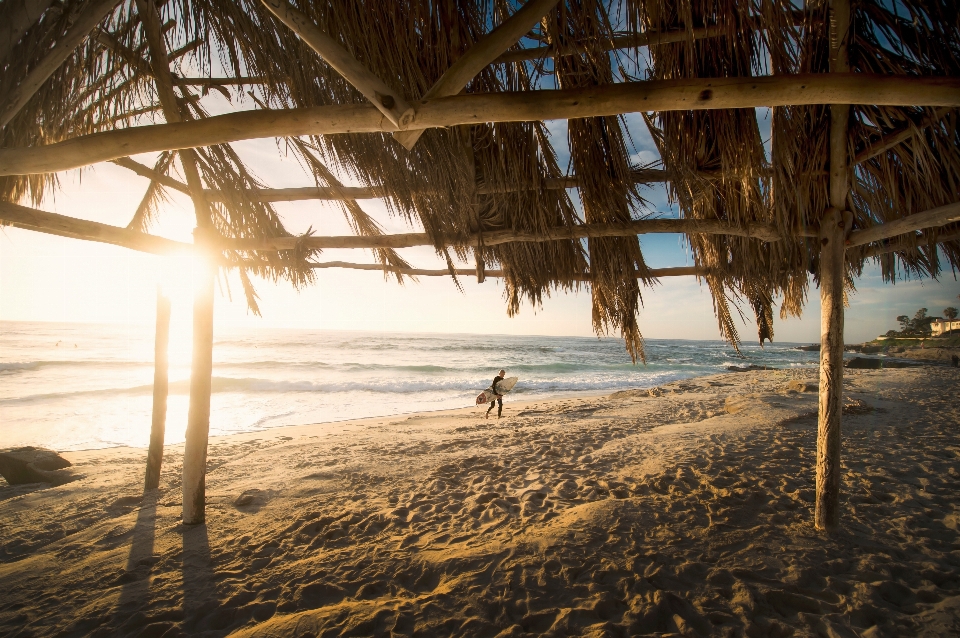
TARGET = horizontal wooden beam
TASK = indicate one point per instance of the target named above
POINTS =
(610, 99)
(764, 232)
(642, 175)
(932, 218)
(177, 81)
(63, 226)
(646, 39)
(681, 271)
(884, 249)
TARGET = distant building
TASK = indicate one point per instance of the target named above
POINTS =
(940, 326)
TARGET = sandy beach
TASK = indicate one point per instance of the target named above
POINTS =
(685, 510)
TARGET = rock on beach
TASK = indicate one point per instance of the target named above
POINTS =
(34, 465)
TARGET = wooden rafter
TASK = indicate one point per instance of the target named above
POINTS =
(611, 99)
(899, 136)
(650, 38)
(764, 232)
(385, 99)
(90, 16)
(54, 224)
(680, 271)
(63, 226)
(19, 17)
(903, 246)
(642, 175)
(940, 216)
(480, 55)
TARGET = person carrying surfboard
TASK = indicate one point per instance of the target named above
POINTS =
(499, 397)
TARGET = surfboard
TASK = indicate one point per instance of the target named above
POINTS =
(489, 395)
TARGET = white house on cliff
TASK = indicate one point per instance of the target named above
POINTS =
(940, 326)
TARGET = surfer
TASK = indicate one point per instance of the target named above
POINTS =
(499, 400)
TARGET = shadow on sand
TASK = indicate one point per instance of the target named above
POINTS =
(135, 578)
(201, 603)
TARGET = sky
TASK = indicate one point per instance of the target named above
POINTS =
(47, 278)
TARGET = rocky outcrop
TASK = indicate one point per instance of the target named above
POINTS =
(34, 465)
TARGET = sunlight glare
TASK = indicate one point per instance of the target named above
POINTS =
(179, 277)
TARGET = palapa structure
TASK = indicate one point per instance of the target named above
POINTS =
(438, 107)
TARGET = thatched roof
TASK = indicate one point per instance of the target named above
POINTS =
(463, 182)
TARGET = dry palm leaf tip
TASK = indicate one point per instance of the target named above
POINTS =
(344, 84)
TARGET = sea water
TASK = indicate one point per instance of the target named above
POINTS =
(83, 386)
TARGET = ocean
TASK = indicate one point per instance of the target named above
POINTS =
(84, 386)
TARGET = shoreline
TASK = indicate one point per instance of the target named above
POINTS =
(626, 513)
(574, 394)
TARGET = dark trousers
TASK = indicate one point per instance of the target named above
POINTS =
(498, 402)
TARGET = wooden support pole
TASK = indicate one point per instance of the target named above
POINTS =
(834, 227)
(520, 106)
(90, 16)
(201, 381)
(198, 415)
(160, 390)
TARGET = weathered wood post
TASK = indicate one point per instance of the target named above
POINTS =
(198, 416)
(198, 419)
(160, 389)
(834, 227)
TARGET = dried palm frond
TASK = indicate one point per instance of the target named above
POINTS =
(716, 160)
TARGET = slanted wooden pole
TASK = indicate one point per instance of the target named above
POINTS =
(834, 227)
(160, 389)
(19, 16)
(485, 51)
(389, 102)
(89, 17)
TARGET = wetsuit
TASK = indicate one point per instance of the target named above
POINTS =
(499, 400)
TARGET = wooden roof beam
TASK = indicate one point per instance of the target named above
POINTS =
(646, 39)
(609, 99)
(763, 232)
(884, 249)
(19, 17)
(642, 175)
(935, 217)
(480, 56)
(898, 136)
(385, 99)
(63, 226)
(680, 271)
(90, 16)
(178, 81)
